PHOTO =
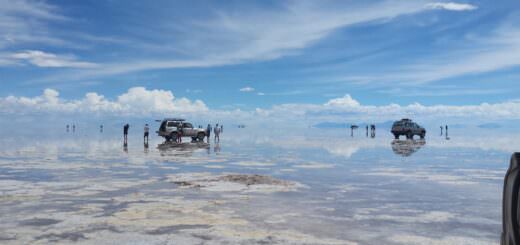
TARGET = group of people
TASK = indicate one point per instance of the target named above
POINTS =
(73, 128)
(372, 130)
(446, 132)
(145, 136)
(216, 130)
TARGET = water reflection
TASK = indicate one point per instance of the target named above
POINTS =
(180, 149)
(406, 148)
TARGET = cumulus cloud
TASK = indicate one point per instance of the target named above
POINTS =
(247, 89)
(137, 101)
(141, 102)
(452, 6)
(43, 59)
(345, 101)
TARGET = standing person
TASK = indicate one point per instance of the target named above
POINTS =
(68, 128)
(208, 131)
(179, 133)
(146, 130)
(101, 128)
(125, 134)
(73, 128)
(446, 130)
(441, 130)
(217, 133)
(367, 129)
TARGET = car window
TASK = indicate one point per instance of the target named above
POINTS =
(187, 125)
(172, 124)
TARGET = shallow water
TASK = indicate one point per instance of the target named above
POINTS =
(318, 187)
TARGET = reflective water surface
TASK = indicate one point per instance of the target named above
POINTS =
(267, 187)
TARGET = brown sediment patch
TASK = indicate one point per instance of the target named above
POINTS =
(234, 182)
(175, 228)
(39, 222)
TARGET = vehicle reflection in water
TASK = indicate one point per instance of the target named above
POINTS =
(406, 148)
(169, 148)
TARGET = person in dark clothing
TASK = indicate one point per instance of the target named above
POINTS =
(208, 131)
(68, 128)
(441, 130)
(446, 131)
(146, 130)
(125, 133)
(367, 130)
(73, 128)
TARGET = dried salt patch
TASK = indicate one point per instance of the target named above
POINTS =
(423, 240)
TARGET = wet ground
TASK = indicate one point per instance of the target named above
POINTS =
(254, 187)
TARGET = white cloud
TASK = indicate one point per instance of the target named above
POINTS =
(260, 93)
(141, 102)
(251, 35)
(452, 6)
(137, 101)
(345, 101)
(43, 59)
(247, 89)
(26, 22)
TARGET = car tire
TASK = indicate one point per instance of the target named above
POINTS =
(422, 135)
(173, 136)
(396, 136)
(201, 136)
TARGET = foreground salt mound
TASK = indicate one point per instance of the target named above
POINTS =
(230, 182)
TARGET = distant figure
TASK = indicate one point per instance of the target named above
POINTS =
(352, 127)
(73, 128)
(372, 130)
(222, 128)
(179, 133)
(367, 130)
(208, 131)
(217, 133)
(125, 133)
(68, 128)
(146, 130)
(446, 131)
(101, 128)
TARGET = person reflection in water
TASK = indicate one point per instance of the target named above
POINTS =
(125, 148)
(216, 148)
(146, 148)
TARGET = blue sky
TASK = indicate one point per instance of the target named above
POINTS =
(262, 54)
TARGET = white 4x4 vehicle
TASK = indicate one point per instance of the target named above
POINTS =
(170, 127)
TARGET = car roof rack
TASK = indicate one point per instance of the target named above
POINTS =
(175, 119)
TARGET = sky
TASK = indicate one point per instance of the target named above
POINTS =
(243, 60)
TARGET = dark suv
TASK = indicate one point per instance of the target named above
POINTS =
(407, 127)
